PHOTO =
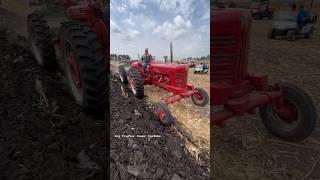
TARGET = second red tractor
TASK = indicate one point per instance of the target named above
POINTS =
(285, 109)
(171, 77)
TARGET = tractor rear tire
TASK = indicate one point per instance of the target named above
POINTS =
(87, 73)
(164, 114)
(305, 121)
(123, 75)
(40, 41)
(136, 83)
(204, 97)
(291, 35)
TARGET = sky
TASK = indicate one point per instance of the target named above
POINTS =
(139, 24)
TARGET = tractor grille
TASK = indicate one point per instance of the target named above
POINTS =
(224, 54)
(181, 79)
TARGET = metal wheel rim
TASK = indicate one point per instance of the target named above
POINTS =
(132, 85)
(77, 92)
(281, 122)
(197, 99)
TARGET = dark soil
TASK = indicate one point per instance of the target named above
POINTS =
(45, 135)
(136, 157)
(39, 141)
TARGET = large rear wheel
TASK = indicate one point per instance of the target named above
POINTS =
(84, 66)
(40, 40)
(136, 83)
(298, 119)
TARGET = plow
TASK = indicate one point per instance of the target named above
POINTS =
(80, 48)
(285, 109)
(170, 77)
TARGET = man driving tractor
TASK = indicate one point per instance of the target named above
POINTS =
(146, 59)
(303, 16)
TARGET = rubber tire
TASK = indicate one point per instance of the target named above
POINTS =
(271, 34)
(205, 97)
(307, 111)
(92, 67)
(168, 118)
(39, 32)
(133, 73)
(123, 74)
(308, 35)
(291, 35)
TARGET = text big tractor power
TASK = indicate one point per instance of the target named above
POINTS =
(171, 77)
(81, 48)
(286, 110)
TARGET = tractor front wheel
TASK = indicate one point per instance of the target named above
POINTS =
(84, 65)
(40, 40)
(136, 83)
(298, 118)
(201, 98)
(164, 114)
(123, 75)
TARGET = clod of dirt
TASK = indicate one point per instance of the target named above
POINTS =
(176, 177)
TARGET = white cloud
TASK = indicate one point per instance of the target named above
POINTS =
(122, 7)
(206, 15)
(131, 34)
(183, 7)
(140, 20)
(144, 21)
(114, 27)
(129, 21)
(172, 31)
(136, 3)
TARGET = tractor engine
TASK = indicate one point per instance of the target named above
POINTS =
(229, 49)
(170, 74)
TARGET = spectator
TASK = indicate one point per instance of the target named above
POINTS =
(303, 16)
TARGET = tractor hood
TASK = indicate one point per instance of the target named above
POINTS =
(230, 18)
(169, 66)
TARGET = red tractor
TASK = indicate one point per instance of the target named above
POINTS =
(171, 77)
(286, 110)
(81, 48)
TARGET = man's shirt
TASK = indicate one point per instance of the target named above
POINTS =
(303, 14)
(146, 58)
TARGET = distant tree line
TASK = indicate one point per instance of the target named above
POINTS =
(119, 57)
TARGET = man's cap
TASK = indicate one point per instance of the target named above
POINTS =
(146, 49)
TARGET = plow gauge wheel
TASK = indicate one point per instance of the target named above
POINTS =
(164, 114)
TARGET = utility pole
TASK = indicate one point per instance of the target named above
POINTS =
(171, 56)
